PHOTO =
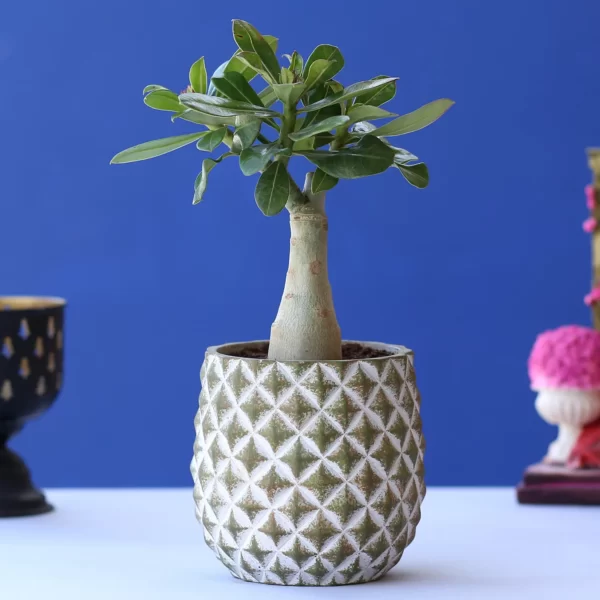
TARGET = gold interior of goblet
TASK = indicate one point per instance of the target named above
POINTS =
(29, 302)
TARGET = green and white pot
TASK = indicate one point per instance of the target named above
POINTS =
(308, 472)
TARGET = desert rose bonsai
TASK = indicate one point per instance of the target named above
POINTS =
(308, 461)
(302, 112)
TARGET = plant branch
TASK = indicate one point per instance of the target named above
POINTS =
(288, 122)
(341, 138)
(297, 198)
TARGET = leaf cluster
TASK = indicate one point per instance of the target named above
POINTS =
(300, 110)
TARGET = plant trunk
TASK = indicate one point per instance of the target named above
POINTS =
(306, 327)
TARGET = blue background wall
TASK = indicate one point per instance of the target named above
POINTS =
(466, 272)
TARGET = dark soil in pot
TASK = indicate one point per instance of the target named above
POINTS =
(350, 351)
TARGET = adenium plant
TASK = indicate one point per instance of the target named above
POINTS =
(301, 111)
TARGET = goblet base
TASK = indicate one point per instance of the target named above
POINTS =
(18, 496)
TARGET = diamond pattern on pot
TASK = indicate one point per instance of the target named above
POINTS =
(308, 473)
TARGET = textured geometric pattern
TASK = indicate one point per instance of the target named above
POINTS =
(31, 360)
(308, 473)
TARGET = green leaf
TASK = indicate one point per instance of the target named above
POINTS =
(272, 41)
(249, 39)
(256, 158)
(401, 155)
(252, 61)
(201, 181)
(296, 62)
(364, 127)
(273, 189)
(163, 100)
(362, 112)
(329, 53)
(321, 182)
(286, 75)
(369, 157)
(417, 175)
(208, 164)
(235, 65)
(319, 93)
(289, 93)
(268, 96)
(320, 127)
(317, 73)
(246, 132)
(353, 91)
(212, 90)
(305, 144)
(193, 116)
(223, 107)
(323, 139)
(235, 87)
(153, 88)
(238, 66)
(211, 139)
(415, 120)
(198, 78)
(380, 95)
(335, 86)
(155, 148)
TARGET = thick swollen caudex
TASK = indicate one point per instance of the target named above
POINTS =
(306, 326)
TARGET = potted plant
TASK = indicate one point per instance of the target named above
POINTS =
(308, 462)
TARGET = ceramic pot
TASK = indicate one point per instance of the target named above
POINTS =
(31, 370)
(308, 472)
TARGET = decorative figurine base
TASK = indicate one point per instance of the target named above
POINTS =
(18, 496)
(553, 484)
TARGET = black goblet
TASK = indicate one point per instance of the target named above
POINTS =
(31, 372)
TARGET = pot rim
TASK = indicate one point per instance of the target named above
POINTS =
(22, 303)
(397, 351)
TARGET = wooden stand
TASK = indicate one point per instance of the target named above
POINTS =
(553, 484)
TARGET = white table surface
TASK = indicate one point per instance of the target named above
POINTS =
(145, 544)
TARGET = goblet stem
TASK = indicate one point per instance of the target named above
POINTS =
(18, 496)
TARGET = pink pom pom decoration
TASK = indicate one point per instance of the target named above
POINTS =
(590, 224)
(590, 195)
(592, 297)
(567, 357)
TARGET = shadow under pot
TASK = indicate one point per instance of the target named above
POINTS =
(309, 473)
(31, 374)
